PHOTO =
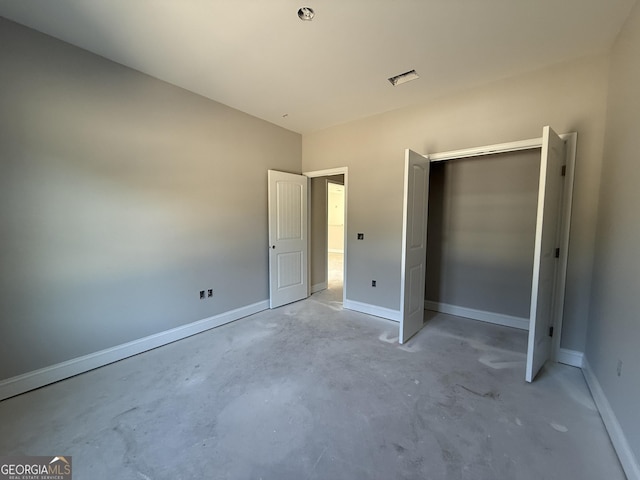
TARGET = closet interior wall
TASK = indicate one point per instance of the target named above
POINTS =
(481, 232)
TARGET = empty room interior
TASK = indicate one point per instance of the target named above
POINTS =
(334, 240)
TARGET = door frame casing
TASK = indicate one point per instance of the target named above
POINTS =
(570, 140)
(328, 173)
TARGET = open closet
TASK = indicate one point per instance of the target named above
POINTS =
(489, 246)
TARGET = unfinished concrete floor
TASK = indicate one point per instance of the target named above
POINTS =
(311, 391)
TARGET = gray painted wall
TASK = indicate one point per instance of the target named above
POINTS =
(614, 327)
(121, 197)
(481, 232)
(569, 97)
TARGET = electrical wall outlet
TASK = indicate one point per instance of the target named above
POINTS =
(201, 294)
(373, 283)
(210, 292)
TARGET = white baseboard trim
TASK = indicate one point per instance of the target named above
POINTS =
(489, 317)
(318, 287)
(44, 376)
(570, 357)
(626, 456)
(374, 310)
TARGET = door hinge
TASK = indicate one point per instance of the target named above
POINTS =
(551, 331)
(557, 253)
(564, 170)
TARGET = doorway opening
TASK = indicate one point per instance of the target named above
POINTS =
(328, 245)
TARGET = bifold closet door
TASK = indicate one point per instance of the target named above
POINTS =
(414, 244)
(544, 260)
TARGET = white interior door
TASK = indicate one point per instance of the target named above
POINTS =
(287, 238)
(414, 244)
(544, 261)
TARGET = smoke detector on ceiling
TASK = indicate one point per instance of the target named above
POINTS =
(306, 14)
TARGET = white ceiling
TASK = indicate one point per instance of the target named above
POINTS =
(258, 57)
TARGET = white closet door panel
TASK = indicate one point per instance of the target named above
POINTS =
(545, 261)
(414, 244)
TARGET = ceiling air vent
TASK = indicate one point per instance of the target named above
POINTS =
(403, 78)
